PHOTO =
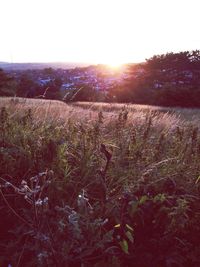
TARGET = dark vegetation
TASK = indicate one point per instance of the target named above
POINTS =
(24, 84)
(172, 79)
(97, 192)
(93, 193)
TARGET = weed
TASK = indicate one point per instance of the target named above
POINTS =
(83, 187)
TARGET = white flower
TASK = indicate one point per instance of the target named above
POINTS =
(23, 182)
(7, 184)
(46, 199)
(39, 202)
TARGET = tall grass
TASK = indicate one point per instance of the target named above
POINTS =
(98, 184)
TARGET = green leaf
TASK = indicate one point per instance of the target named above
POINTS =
(159, 197)
(143, 199)
(124, 246)
(129, 236)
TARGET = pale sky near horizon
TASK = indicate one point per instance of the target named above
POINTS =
(96, 31)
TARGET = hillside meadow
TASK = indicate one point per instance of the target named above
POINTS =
(98, 184)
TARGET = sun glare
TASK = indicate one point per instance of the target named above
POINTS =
(97, 32)
(114, 65)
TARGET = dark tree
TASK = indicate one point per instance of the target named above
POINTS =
(52, 89)
(26, 86)
(7, 84)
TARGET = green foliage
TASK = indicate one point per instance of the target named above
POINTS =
(96, 193)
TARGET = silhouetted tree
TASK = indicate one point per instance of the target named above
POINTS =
(26, 86)
(84, 93)
(53, 91)
(172, 79)
(7, 84)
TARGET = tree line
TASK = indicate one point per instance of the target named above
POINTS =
(26, 86)
(171, 79)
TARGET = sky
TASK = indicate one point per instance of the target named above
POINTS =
(96, 31)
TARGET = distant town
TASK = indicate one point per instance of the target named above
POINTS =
(172, 79)
(36, 78)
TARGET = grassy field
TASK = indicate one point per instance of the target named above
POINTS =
(98, 184)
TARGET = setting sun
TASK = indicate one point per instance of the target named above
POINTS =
(115, 65)
(99, 133)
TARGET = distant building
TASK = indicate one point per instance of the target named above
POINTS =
(43, 81)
